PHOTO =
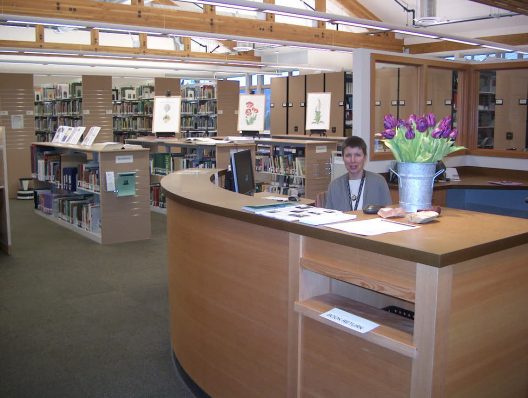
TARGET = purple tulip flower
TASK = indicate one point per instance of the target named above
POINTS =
(454, 134)
(389, 122)
(446, 122)
(412, 118)
(437, 133)
(421, 124)
(389, 134)
(431, 120)
(409, 133)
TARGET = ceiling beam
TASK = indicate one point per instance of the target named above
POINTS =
(518, 39)
(94, 12)
(358, 10)
(520, 6)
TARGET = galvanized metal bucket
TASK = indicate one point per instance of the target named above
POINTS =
(415, 182)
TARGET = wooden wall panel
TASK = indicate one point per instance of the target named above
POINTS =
(229, 305)
(338, 364)
(278, 106)
(97, 105)
(297, 99)
(488, 345)
(315, 83)
(227, 94)
(126, 218)
(164, 84)
(17, 99)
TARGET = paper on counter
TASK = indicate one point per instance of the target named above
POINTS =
(375, 226)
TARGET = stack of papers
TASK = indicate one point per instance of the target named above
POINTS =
(374, 226)
(304, 214)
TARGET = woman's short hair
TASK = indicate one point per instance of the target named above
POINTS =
(355, 142)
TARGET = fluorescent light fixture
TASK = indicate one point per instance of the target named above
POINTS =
(216, 3)
(459, 41)
(158, 59)
(406, 32)
(8, 51)
(238, 7)
(295, 15)
(45, 24)
(108, 56)
(498, 48)
(358, 24)
(49, 53)
(126, 31)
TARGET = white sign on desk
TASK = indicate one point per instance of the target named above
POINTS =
(349, 320)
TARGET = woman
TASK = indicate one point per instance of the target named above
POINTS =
(358, 188)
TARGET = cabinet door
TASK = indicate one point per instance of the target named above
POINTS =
(315, 83)
(278, 105)
(408, 91)
(296, 104)
(385, 97)
(335, 84)
(439, 92)
(227, 92)
(510, 117)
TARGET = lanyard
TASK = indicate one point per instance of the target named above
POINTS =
(356, 198)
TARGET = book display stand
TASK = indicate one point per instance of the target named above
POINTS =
(99, 191)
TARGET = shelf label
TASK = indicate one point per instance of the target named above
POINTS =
(29, 113)
(349, 320)
(4, 113)
(320, 149)
(86, 111)
(109, 112)
(124, 159)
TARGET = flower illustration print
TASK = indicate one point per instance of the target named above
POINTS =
(317, 113)
(251, 113)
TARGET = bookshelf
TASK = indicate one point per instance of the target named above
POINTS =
(209, 109)
(132, 109)
(199, 110)
(57, 105)
(287, 165)
(73, 182)
(172, 154)
(486, 109)
(5, 223)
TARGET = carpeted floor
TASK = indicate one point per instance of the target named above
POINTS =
(79, 319)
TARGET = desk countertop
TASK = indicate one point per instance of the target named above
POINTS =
(456, 236)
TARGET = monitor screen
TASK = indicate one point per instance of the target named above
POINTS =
(242, 167)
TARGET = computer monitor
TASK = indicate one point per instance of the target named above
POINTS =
(242, 168)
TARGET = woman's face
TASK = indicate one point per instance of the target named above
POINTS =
(354, 162)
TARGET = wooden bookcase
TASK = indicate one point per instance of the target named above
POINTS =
(172, 154)
(5, 223)
(83, 204)
(303, 165)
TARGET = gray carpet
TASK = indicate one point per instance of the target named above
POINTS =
(79, 319)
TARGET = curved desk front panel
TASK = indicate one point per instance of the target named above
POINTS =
(246, 294)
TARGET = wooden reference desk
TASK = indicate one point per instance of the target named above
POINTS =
(246, 293)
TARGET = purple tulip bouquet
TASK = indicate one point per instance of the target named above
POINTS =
(419, 139)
